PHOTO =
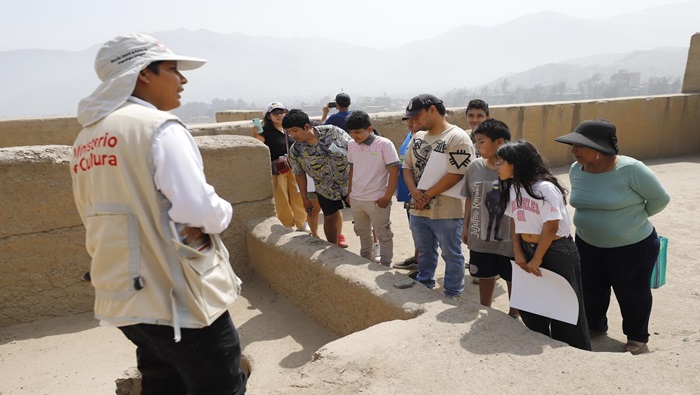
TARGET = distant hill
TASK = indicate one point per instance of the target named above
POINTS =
(261, 69)
(663, 62)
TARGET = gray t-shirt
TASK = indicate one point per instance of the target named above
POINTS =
(489, 228)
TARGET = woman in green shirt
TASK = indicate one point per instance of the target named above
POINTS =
(614, 196)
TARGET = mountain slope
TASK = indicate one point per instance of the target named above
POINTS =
(261, 69)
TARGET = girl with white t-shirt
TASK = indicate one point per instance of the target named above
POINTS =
(540, 227)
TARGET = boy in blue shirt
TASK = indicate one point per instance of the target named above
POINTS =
(404, 195)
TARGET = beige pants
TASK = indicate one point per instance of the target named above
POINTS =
(368, 215)
(288, 203)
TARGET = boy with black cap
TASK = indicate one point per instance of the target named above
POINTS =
(150, 217)
(437, 214)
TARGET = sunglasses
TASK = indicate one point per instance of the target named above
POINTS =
(278, 111)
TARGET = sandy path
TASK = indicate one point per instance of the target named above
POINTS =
(73, 355)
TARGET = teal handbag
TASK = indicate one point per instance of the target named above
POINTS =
(658, 275)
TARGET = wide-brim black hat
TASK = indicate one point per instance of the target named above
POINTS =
(597, 134)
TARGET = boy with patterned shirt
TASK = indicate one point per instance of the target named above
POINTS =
(320, 152)
(436, 218)
(374, 173)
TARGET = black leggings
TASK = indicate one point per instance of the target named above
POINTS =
(561, 258)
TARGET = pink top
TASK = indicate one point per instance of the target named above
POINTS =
(370, 162)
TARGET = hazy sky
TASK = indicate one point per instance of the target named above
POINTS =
(78, 24)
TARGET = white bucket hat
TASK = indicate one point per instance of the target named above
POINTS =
(118, 64)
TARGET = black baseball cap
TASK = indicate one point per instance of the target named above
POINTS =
(418, 103)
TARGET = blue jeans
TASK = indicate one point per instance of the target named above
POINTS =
(428, 234)
(206, 361)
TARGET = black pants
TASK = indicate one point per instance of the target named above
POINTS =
(206, 360)
(561, 258)
(627, 270)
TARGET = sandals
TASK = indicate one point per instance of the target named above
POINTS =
(636, 348)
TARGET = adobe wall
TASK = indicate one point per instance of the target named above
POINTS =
(237, 115)
(648, 127)
(42, 252)
(235, 128)
(691, 80)
(330, 284)
(38, 131)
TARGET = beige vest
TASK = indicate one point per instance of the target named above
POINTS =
(140, 272)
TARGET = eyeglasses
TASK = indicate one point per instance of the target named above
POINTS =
(278, 111)
(499, 161)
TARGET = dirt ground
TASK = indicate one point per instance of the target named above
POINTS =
(455, 347)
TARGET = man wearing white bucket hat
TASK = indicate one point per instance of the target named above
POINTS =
(160, 271)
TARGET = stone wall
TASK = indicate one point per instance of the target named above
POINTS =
(648, 127)
(38, 131)
(235, 128)
(42, 241)
(237, 115)
(42, 251)
(330, 284)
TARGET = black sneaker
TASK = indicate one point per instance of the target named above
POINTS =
(408, 264)
(413, 274)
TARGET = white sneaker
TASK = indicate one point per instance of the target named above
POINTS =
(305, 228)
(376, 252)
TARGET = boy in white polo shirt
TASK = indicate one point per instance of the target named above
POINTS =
(374, 174)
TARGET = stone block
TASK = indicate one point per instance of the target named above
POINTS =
(41, 275)
(36, 192)
(240, 128)
(238, 167)
(691, 80)
(328, 283)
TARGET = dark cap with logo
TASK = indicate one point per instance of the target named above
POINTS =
(418, 103)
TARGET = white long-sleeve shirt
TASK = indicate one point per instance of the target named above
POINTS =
(179, 175)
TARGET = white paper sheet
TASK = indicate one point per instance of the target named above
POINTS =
(310, 185)
(550, 295)
(435, 169)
